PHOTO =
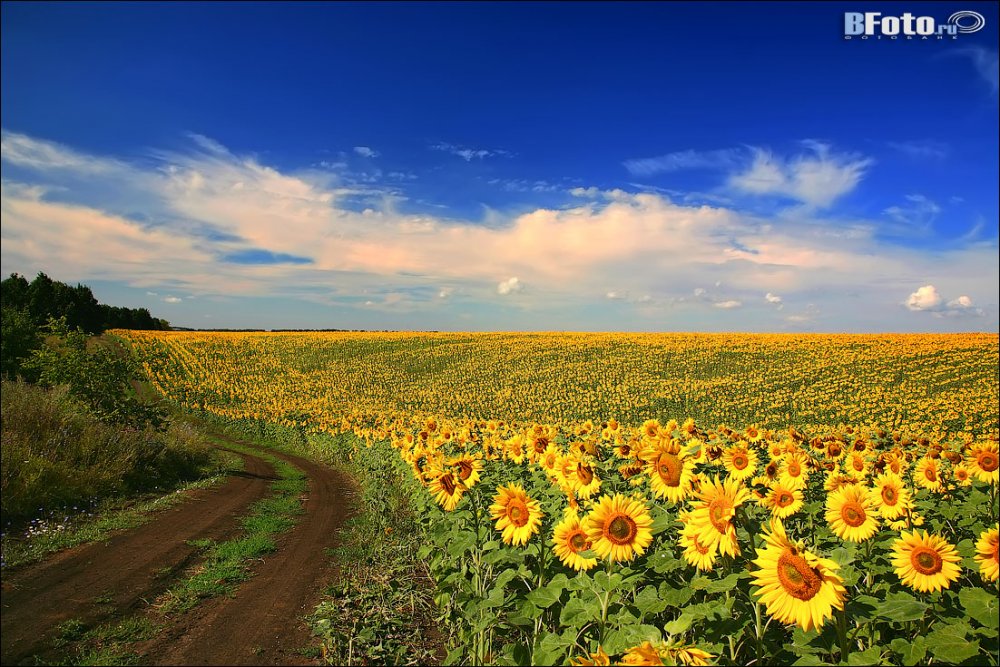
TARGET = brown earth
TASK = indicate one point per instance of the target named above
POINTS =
(262, 624)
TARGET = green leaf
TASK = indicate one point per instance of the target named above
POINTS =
(661, 520)
(901, 607)
(543, 597)
(577, 612)
(808, 661)
(863, 608)
(679, 625)
(648, 601)
(912, 651)
(872, 656)
(950, 643)
(550, 650)
(675, 597)
(842, 556)
(719, 585)
(979, 605)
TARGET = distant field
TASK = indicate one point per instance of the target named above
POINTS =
(934, 385)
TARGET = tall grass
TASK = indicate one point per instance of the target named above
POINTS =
(55, 454)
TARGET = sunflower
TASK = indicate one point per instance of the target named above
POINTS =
(794, 471)
(961, 474)
(570, 539)
(702, 556)
(782, 501)
(850, 514)
(987, 554)
(643, 655)
(599, 659)
(927, 474)
(670, 473)
(513, 449)
(619, 527)
(795, 585)
(584, 480)
(925, 562)
(447, 489)
(467, 467)
(835, 450)
(890, 496)
(856, 464)
(740, 461)
(984, 462)
(517, 515)
(712, 515)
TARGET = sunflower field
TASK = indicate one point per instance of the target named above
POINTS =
(661, 499)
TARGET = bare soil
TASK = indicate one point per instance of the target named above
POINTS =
(261, 625)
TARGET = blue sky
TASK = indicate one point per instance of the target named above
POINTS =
(716, 167)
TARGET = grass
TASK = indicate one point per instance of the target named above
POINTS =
(56, 455)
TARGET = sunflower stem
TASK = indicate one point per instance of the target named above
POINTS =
(845, 648)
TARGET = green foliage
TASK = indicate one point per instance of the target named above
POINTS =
(56, 454)
(19, 337)
(97, 375)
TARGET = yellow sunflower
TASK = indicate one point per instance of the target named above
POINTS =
(961, 474)
(927, 474)
(619, 528)
(447, 490)
(643, 655)
(670, 473)
(782, 501)
(740, 461)
(794, 471)
(583, 479)
(850, 513)
(696, 553)
(517, 516)
(795, 585)
(599, 659)
(570, 539)
(713, 514)
(467, 467)
(856, 464)
(890, 496)
(984, 462)
(987, 554)
(925, 562)
(513, 449)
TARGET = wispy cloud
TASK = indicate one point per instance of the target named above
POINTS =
(986, 64)
(469, 154)
(916, 215)
(921, 149)
(816, 178)
(688, 159)
(365, 151)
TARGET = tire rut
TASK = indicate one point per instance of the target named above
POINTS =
(102, 580)
(263, 624)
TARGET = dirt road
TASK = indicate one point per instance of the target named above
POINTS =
(262, 624)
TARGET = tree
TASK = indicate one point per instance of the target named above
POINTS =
(18, 337)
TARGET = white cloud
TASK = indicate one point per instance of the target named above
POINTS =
(445, 292)
(172, 299)
(731, 303)
(925, 298)
(590, 193)
(987, 65)
(960, 303)
(772, 298)
(688, 159)
(510, 286)
(365, 151)
(918, 213)
(816, 178)
(614, 295)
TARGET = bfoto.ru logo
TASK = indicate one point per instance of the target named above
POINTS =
(875, 25)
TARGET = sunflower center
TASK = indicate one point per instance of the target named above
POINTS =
(669, 469)
(834, 450)
(621, 529)
(930, 474)
(987, 461)
(585, 474)
(889, 495)
(448, 483)
(853, 514)
(794, 469)
(784, 499)
(740, 461)
(797, 578)
(859, 464)
(464, 470)
(578, 542)
(719, 512)
(517, 512)
(926, 560)
(961, 474)
(541, 444)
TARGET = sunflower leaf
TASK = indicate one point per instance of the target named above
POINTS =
(912, 651)
(901, 610)
(950, 643)
(979, 605)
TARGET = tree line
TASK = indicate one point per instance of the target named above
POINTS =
(28, 308)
